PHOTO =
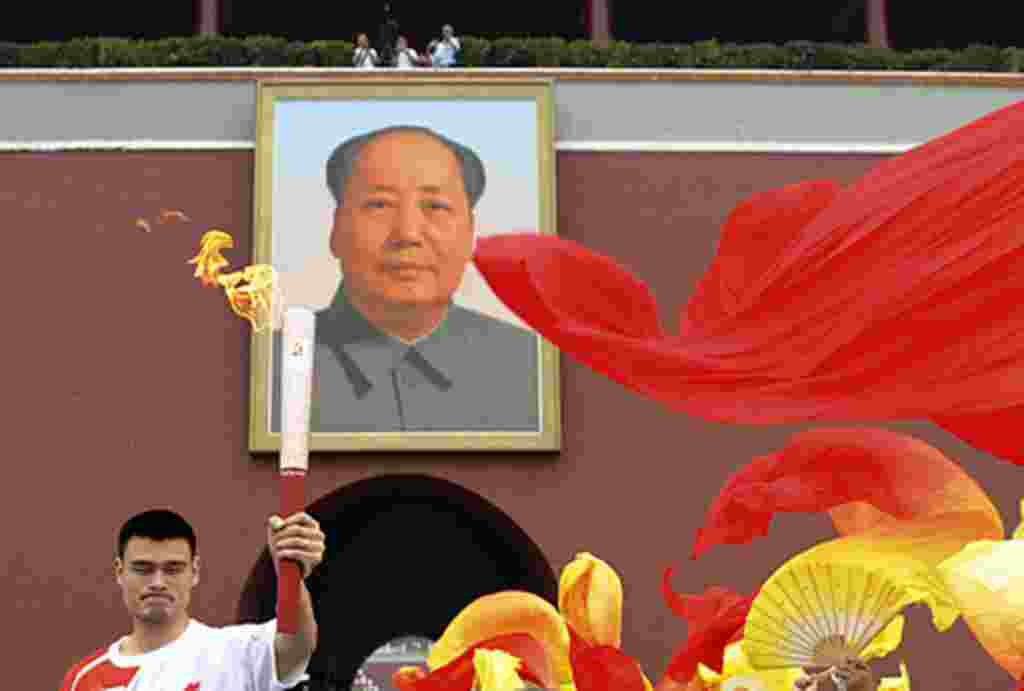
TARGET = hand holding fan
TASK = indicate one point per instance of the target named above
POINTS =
(853, 676)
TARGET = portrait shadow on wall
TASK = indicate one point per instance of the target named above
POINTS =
(405, 553)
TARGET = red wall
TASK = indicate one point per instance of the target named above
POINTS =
(127, 388)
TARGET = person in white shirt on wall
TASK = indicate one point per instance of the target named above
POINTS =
(444, 52)
(406, 57)
(364, 57)
(157, 566)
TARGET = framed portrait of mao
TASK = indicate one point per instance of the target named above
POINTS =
(370, 194)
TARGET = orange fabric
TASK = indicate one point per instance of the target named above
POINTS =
(459, 674)
(872, 481)
(892, 498)
(599, 667)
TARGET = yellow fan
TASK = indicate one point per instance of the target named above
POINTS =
(820, 614)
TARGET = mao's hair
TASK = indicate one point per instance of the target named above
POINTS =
(343, 159)
(159, 525)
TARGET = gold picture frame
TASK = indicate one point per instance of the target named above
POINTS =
(509, 125)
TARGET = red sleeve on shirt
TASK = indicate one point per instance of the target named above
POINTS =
(104, 675)
(69, 678)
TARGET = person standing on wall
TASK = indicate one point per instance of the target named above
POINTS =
(387, 36)
(406, 57)
(444, 52)
(364, 57)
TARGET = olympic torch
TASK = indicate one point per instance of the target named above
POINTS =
(254, 294)
(298, 341)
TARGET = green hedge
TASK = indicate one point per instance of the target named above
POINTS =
(267, 51)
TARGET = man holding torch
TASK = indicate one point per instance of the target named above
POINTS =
(157, 559)
(157, 566)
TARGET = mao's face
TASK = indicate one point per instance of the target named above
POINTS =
(404, 232)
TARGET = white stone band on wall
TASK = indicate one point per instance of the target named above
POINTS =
(740, 147)
(127, 145)
(715, 112)
(596, 146)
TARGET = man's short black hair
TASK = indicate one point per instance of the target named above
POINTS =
(342, 161)
(157, 524)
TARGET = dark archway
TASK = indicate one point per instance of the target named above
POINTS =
(405, 553)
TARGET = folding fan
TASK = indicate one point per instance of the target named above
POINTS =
(820, 614)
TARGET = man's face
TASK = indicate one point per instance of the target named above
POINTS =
(404, 232)
(362, 41)
(156, 578)
(447, 31)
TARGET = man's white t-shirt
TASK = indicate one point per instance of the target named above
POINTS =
(407, 58)
(204, 658)
(365, 58)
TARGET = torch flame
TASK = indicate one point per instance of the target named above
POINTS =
(252, 292)
(210, 262)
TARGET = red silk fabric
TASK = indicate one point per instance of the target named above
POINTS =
(898, 297)
(460, 673)
(714, 619)
(602, 667)
(871, 482)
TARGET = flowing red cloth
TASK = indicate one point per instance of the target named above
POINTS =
(460, 673)
(871, 482)
(887, 494)
(715, 619)
(602, 667)
(898, 297)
